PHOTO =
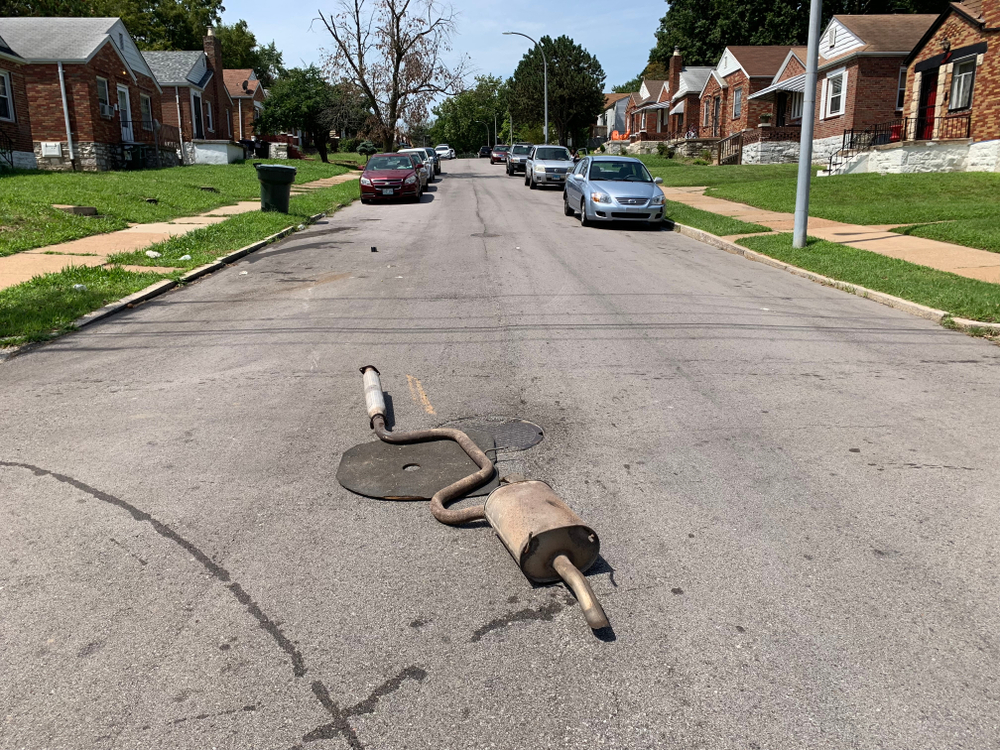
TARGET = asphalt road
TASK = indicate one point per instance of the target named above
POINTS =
(795, 489)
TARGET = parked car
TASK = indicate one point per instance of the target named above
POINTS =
(390, 176)
(434, 158)
(547, 165)
(613, 188)
(426, 167)
(484, 152)
(445, 151)
(518, 157)
(499, 153)
(579, 154)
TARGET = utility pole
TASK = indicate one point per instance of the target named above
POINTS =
(545, 76)
(801, 228)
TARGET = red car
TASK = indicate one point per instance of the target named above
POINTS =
(391, 176)
(499, 153)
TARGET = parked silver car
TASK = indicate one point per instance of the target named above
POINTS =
(547, 165)
(613, 188)
(433, 155)
(518, 158)
(427, 166)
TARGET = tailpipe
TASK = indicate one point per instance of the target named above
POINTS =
(374, 400)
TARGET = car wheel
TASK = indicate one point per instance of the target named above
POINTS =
(365, 201)
(567, 209)
(532, 184)
(584, 221)
(526, 179)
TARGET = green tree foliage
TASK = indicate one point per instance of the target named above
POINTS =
(704, 28)
(457, 115)
(302, 99)
(576, 88)
(240, 50)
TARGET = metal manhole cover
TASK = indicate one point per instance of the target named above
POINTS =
(412, 472)
(508, 434)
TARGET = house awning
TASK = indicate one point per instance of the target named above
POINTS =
(793, 85)
(678, 108)
(657, 105)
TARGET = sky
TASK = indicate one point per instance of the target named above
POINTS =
(619, 36)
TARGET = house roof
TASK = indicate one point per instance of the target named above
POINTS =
(6, 51)
(760, 61)
(234, 82)
(692, 80)
(173, 68)
(49, 39)
(611, 99)
(972, 8)
(895, 32)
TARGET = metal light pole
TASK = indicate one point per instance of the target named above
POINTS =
(545, 76)
(800, 230)
(487, 126)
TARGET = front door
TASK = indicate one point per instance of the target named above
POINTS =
(125, 114)
(928, 105)
(780, 107)
(196, 116)
(716, 110)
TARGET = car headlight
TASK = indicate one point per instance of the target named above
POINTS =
(657, 200)
(600, 197)
(411, 179)
(366, 182)
(539, 169)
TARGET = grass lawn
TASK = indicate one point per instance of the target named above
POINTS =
(205, 245)
(981, 233)
(27, 219)
(46, 306)
(962, 297)
(707, 221)
(676, 173)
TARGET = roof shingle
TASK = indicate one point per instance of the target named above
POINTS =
(234, 81)
(174, 67)
(66, 39)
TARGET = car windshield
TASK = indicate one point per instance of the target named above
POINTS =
(619, 171)
(421, 156)
(402, 161)
(552, 154)
(521, 150)
(443, 146)
(501, 148)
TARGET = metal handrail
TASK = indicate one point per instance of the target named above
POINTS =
(902, 129)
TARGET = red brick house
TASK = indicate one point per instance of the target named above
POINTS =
(248, 100)
(16, 148)
(196, 100)
(685, 86)
(93, 102)
(644, 121)
(953, 81)
(726, 107)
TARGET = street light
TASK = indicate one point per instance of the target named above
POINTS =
(487, 130)
(545, 76)
(801, 225)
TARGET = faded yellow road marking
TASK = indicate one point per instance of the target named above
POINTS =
(419, 395)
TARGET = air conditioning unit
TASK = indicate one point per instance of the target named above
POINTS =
(107, 110)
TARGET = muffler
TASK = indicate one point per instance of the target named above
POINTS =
(546, 538)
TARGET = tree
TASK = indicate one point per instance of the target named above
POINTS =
(457, 116)
(392, 50)
(347, 112)
(240, 49)
(576, 87)
(300, 99)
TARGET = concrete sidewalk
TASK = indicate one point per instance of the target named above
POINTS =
(95, 250)
(944, 256)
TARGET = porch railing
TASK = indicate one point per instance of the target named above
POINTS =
(730, 150)
(901, 129)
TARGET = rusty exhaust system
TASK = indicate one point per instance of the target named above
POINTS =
(545, 537)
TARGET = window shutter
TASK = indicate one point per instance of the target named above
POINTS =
(843, 91)
(822, 100)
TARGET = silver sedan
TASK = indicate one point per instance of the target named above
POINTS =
(613, 188)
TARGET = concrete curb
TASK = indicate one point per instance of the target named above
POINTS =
(913, 308)
(155, 290)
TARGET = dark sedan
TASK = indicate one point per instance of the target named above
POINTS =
(391, 176)
(484, 152)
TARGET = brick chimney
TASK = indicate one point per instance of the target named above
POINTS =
(676, 63)
(216, 91)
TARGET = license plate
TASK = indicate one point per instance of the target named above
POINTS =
(386, 191)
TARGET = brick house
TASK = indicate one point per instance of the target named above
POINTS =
(953, 81)
(685, 86)
(195, 100)
(248, 100)
(93, 102)
(726, 107)
(16, 148)
(642, 119)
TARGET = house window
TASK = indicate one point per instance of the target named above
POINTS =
(208, 117)
(146, 107)
(901, 90)
(737, 103)
(835, 93)
(103, 98)
(6, 97)
(795, 106)
(643, 126)
(704, 119)
(961, 84)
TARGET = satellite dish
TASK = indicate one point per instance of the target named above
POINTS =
(246, 85)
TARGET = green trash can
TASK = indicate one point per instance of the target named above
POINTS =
(275, 185)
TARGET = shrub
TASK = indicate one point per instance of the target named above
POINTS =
(366, 149)
(661, 148)
(701, 162)
(348, 145)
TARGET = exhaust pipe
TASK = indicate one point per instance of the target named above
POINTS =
(547, 540)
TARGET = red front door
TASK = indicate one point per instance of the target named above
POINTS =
(928, 106)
